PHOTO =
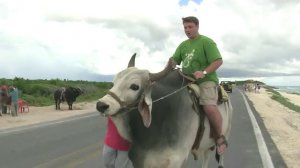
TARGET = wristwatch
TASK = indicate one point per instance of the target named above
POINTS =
(204, 72)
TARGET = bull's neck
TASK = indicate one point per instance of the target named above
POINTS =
(122, 124)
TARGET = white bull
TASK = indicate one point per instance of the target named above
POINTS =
(163, 130)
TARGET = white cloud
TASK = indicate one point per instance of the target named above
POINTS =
(99, 37)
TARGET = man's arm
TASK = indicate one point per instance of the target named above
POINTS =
(211, 68)
(172, 62)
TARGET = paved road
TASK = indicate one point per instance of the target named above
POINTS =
(77, 143)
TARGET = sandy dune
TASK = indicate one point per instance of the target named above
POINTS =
(283, 124)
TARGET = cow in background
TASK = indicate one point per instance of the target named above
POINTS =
(68, 94)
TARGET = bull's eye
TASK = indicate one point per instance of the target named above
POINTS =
(134, 87)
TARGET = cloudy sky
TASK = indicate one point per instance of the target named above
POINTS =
(94, 39)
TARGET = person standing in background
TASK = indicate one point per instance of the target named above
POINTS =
(14, 100)
(0, 103)
(115, 148)
(3, 99)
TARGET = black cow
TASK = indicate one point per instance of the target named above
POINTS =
(68, 94)
(155, 113)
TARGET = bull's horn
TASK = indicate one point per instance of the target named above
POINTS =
(156, 76)
(132, 61)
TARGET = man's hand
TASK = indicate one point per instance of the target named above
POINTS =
(172, 63)
(199, 74)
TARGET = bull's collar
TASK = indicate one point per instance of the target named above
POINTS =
(112, 94)
(124, 106)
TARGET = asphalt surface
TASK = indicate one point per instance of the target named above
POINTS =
(77, 143)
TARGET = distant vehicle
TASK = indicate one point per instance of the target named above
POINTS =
(227, 85)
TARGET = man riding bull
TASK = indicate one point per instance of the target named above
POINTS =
(200, 59)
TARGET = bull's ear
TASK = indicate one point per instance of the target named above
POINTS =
(132, 61)
(145, 106)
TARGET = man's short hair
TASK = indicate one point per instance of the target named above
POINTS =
(191, 19)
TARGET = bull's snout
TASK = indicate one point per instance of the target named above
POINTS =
(101, 107)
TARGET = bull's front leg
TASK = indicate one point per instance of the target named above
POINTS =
(70, 106)
(205, 158)
(57, 105)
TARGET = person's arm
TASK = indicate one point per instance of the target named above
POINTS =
(172, 62)
(211, 68)
(176, 58)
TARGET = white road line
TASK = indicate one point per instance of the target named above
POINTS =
(262, 147)
(22, 128)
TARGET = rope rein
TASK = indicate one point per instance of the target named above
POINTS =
(170, 94)
(178, 90)
(126, 107)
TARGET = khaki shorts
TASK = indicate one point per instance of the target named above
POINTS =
(209, 93)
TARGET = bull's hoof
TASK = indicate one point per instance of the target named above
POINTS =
(220, 167)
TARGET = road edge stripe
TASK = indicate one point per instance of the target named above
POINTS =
(262, 147)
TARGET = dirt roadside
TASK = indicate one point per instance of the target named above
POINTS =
(38, 115)
(282, 123)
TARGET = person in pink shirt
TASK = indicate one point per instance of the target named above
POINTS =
(115, 148)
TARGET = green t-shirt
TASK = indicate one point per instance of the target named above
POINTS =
(197, 54)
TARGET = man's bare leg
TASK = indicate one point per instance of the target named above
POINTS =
(215, 119)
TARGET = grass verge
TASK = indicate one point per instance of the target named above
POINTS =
(282, 100)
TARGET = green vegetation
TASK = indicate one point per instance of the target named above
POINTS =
(40, 92)
(282, 100)
(242, 82)
(295, 93)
